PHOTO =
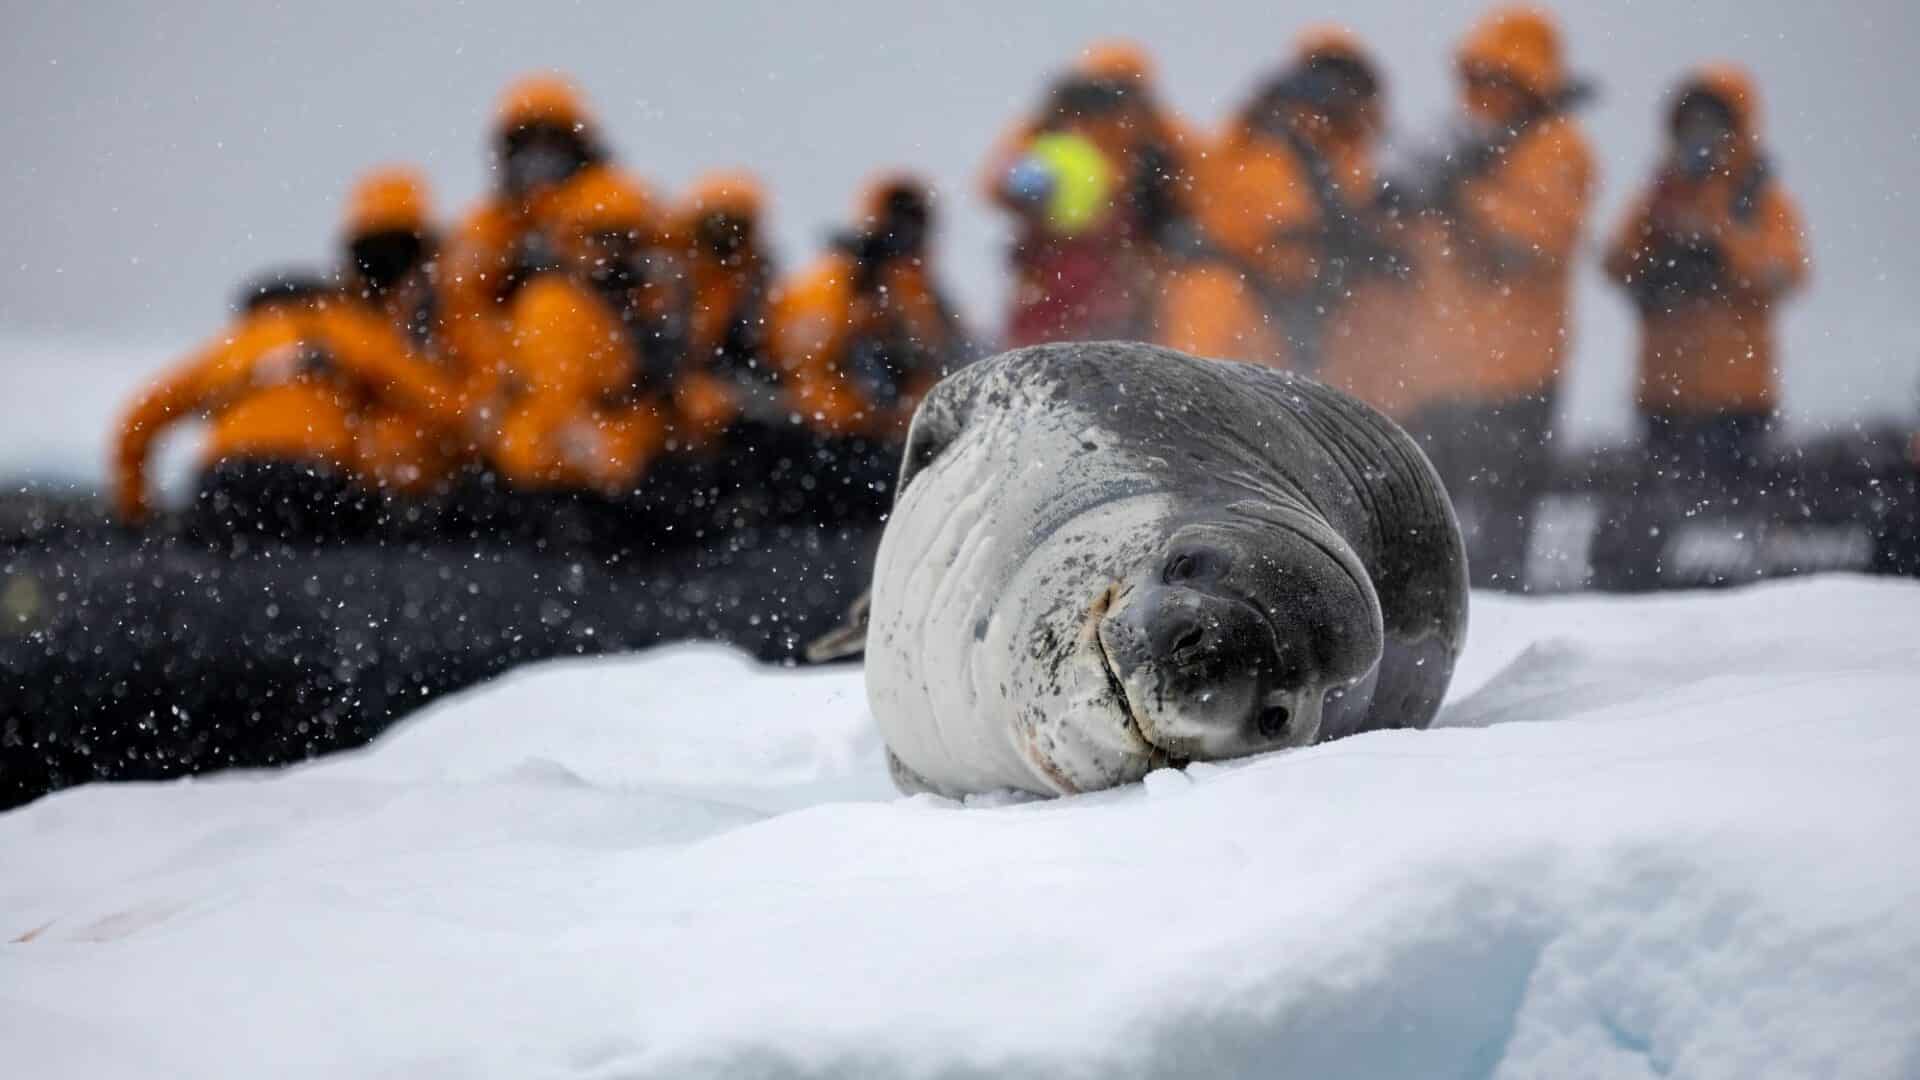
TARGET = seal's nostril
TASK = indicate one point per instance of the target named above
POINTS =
(1189, 641)
(1273, 721)
(1170, 627)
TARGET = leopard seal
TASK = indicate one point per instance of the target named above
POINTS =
(1107, 557)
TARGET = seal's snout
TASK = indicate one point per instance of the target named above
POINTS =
(1174, 626)
(1168, 628)
(1186, 663)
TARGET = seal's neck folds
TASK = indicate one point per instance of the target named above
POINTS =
(978, 668)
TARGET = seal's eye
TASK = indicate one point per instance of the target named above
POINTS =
(1273, 721)
(1190, 564)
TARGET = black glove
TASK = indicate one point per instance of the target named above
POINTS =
(1676, 270)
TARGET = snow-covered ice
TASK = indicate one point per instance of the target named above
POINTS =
(1653, 837)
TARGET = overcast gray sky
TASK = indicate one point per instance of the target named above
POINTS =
(153, 154)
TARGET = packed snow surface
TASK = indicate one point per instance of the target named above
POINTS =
(1651, 837)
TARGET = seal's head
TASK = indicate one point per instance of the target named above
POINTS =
(1238, 636)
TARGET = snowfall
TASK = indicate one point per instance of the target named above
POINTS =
(1649, 837)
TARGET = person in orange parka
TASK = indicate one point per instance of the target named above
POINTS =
(858, 337)
(1362, 333)
(1284, 213)
(729, 378)
(586, 404)
(1706, 252)
(283, 390)
(391, 249)
(1088, 273)
(1492, 241)
(544, 135)
(862, 333)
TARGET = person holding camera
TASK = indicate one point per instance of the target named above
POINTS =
(1093, 180)
(1705, 254)
(1284, 229)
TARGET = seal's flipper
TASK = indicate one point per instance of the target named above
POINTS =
(908, 781)
(845, 641)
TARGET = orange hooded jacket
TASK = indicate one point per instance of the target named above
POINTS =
(1495, 270)
(289, 381)
(572, 415)
(401, 450)
(1363, 340)
(478, 268)
(1262, 226)
(1712, 350)
(821, 316)
(727, 324)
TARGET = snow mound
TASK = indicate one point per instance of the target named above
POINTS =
(1652, 837)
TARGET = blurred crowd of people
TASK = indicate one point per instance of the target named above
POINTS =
(578, 362)
(579, 352)
(1439, 291)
